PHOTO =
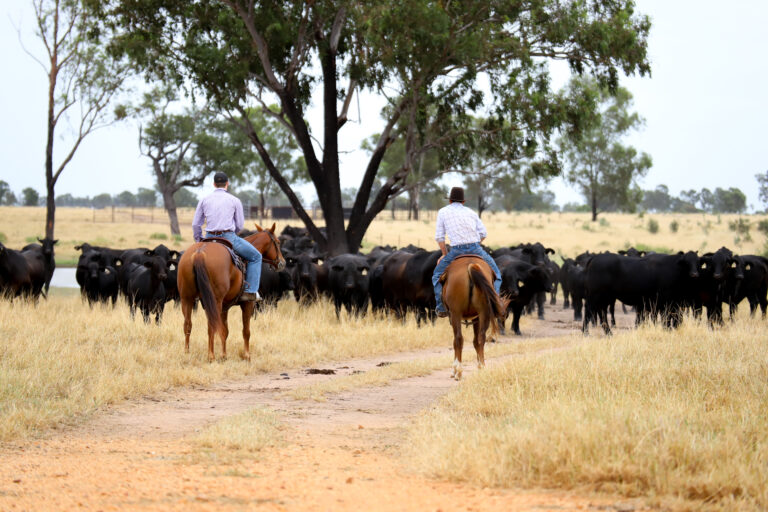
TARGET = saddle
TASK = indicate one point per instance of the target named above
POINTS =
(444, 275)
(236, 260)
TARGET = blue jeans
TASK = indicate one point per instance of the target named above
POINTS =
(456, 250)
(252, 259)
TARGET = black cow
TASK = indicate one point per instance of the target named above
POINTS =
(520, 282)
(293, 232)
(171, 282)
(143, 255)
(378, 253)
(15, 279)
(535, 254)
(303, 268)
(710, 289)
(553, 269)
(100, 282)
(273, 285)
(634, 253)
(406, 283)
(655, 284)
(45, 251)
(106, 257)
(572, 281)
(753, 286)
(348, 283)
(145, 287)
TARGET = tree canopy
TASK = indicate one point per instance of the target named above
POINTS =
(599, 164)
(439, 65)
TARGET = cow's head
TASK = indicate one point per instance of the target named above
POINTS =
(689, 262)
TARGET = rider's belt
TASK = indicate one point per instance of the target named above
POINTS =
(218, 233)
(465, 245)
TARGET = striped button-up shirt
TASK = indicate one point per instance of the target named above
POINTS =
(460, 224)
(221, 211)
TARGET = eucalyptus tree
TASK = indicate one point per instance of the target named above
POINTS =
(439, 65)
(83, 80)
(599, 164)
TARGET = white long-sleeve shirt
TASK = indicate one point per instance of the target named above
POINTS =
(460, 224)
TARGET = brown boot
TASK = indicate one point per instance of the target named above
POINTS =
(250, 297)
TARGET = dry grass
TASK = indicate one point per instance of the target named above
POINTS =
(60, 360)
(243, 434)
(568, 233)
(415, 368)
(679, 417)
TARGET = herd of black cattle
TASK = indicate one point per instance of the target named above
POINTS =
(399, 281)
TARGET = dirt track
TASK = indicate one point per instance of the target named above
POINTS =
(341, 454)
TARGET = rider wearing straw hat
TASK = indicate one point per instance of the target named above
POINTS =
(465, 231)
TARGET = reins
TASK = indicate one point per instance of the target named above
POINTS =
(275, 262)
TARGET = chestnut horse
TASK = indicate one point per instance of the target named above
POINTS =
(206, 271)
(469, 295)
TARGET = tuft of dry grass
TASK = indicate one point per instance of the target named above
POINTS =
(678, 416)
(61, 360)
(243, 434)
(568, 233)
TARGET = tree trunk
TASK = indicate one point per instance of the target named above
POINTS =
(261, 203)
(413, 196)
(480, 203)
(170, 206)
(594, 205)
(50, 181)
(393, 208)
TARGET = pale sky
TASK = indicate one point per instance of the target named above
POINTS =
(705, 108)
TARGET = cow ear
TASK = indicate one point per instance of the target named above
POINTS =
(272, 229)
(549, 250)
(623, 253)
(55, 242)
(174, 254)
(258, 228)
(78, 247)
(38, 239)
(707, 255)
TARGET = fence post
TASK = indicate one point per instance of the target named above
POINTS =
(133, 208)
(113, 214)
(151, 214)
(94, 214)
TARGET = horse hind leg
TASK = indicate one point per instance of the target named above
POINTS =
(186, 310)
(247, 310)
(458, 344)
(479, 327)
(224, 332)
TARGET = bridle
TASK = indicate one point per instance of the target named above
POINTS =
(275, 263)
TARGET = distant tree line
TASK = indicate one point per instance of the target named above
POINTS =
(720, 200)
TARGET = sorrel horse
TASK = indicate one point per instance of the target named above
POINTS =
(469, 295)
(206, 271)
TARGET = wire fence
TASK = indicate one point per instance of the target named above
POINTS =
(154, 215)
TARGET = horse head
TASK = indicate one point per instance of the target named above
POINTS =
(268, 245)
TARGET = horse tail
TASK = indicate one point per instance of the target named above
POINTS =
(207, 297)
(492, 299)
